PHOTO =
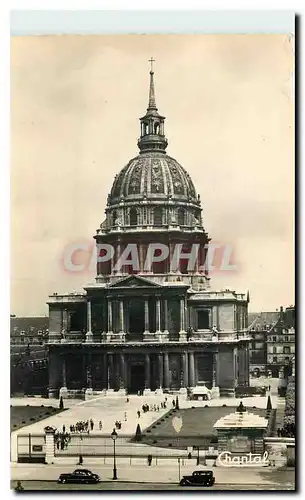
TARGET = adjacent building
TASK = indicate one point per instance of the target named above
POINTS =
(149, 323)
(28, 331)
(281, 342)
(273, 341)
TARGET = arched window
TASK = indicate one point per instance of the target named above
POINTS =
(156, 128)
(133, 217)
(181, 217)
(274, 350)
(158, 216)
(114, 218)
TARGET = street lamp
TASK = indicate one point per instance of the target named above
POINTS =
(198, 458)
(114, 436)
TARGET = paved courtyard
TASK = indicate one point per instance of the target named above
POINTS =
(108, 409)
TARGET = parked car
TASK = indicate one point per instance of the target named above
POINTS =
(199, 477)
(83, 476)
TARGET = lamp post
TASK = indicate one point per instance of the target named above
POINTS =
(198, 459)
(114, 436)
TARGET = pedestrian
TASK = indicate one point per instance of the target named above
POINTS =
(63, 428)
(100, 425)
(139, 414)
(174, 404)
(149, 460)
(125, 416)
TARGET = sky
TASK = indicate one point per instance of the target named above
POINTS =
(75, 107)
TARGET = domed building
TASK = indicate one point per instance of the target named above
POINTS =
(150, 322)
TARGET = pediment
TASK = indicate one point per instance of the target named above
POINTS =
(134, 282)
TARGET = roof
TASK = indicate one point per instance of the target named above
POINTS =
(244, 420)
(260, 320)
(30, 325)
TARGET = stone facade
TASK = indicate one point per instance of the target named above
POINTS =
(154, 324)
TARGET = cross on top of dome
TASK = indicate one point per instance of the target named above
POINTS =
(152, 124)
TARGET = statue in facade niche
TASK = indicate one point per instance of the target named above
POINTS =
(118, 221)
(89, 376)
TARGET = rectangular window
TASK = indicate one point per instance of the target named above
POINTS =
(274, 339)
(286, 350)
(259, 345)
(286, 338)
(274, 359)
(203, 319)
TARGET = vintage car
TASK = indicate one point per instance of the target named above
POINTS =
(199, 478)
(83, 476)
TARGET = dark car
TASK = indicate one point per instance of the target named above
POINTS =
(83, 476)
(199, 478)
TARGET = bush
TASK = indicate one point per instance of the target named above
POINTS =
(138, 435)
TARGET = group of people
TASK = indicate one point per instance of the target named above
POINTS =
(118, 424)
(62, 439)
(146, 407)
(287, 431)
(82, 426)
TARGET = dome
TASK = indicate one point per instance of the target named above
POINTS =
(152, 176)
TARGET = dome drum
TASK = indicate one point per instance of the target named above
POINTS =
(153, 176)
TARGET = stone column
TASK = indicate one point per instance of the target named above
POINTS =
(89, 336)
(165, 317)
(105, 371)
(166, 371)
(191, 370)
(146, 316)
(215, 388)
(121, 316)
(183, 373)
(110, 327)
(110, 377)
(158, 316)
(89, 389)
(63, 391)
(160, 371)
(122, 374)
(55, 374)
(182, 333)
(147, 375)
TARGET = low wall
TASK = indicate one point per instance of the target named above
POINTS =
(281, 451)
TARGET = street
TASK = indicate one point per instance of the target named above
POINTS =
(123, 486)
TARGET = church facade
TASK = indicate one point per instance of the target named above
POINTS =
(151, 321)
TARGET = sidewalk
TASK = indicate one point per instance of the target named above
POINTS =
(159, 473)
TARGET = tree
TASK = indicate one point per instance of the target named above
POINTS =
(138, 436)
(177, 403)
(269, 404)
(61, 403)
